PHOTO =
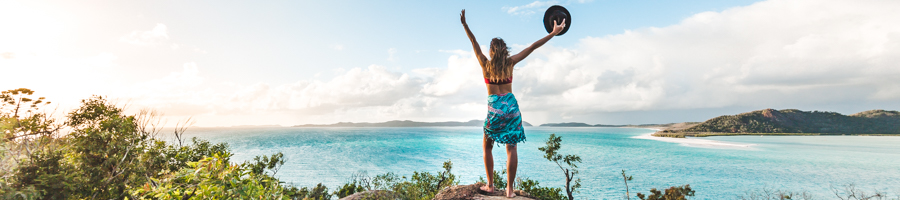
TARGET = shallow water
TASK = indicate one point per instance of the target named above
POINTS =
(797, 163)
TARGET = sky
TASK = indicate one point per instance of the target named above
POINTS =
(319, 62)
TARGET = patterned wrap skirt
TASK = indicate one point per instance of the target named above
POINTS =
(504, 121)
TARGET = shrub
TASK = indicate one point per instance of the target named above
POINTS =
(497, 177)
(111, 155)
(551, 153)
(424, 185)
(673, 193)
(544, 193)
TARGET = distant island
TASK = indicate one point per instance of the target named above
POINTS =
(793, 122)
(403, 123)
(478, 123)
(579, 124)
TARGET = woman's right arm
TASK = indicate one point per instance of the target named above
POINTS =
(525, 52)
(478, 54)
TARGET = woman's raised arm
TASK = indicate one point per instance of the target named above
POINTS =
(525, 52)
(478, 54)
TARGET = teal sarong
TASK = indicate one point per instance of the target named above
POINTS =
(504, 121)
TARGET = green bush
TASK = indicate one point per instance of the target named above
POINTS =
(348, 189)
(213, 178)
(673, 193)
(421, 185)
(498, 180)
(544, 193)
(111, 155)
(424, 185)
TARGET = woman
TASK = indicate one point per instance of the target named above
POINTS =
(504, 122)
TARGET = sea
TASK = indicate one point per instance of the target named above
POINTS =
(753, 164)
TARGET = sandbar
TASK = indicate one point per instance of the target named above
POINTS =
(695, 142)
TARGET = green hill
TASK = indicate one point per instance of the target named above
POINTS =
(797, 121)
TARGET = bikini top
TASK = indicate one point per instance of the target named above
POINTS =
(498, 83)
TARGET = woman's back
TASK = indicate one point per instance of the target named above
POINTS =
(499, 89)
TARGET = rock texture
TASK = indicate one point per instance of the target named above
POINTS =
(369, 195)
(471, 192)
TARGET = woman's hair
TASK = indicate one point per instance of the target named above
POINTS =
(499, 67)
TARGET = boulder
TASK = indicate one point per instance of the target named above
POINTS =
(472, 192)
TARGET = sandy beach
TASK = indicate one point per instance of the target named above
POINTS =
(694, 142)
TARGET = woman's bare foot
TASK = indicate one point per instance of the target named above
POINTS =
(487, 188)
(510, 193)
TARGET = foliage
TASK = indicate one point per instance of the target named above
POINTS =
(544, 193)
(23, 128)
(385, 181)
(319, 192)
(214, 178)
(19, 99)
(348, 189)
(359, 182)
(673, 193)
(424, 185)
(27, 135)
(797, 121)
(497, 178)
(843, 192)
(105, 146)
(551, 153)
(108, 154)
(775, 194)
(626, 178)
(529, 186)
(850, 192)
(421, 185)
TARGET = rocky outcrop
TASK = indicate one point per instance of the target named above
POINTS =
(459, 192)
(471, 192)
(371, 194)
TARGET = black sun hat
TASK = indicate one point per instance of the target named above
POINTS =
(557, 13)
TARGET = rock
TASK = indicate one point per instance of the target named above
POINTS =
(371, 194)
(472, 192)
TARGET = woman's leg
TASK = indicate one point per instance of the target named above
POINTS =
(488, 145)
(512, 162)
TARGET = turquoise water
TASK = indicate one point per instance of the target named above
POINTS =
(798, 163)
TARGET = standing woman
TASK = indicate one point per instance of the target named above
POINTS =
(504, 121)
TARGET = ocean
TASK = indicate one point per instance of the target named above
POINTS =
(814, 164)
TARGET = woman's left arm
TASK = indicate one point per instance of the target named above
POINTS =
(525, 52)
(477, 48)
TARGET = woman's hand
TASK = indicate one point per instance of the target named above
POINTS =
(557, 27)
(462, 17)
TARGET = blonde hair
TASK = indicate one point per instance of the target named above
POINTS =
(499, 67)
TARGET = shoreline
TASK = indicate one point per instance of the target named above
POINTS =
(710, 134)
(694, 142)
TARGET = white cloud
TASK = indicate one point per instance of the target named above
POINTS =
(181, 93)
(462, 72)
(337, 47)
(373, 88)
(528, 9)
(152, 37)
(192, 48)
(391, 52)
(769, 54)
